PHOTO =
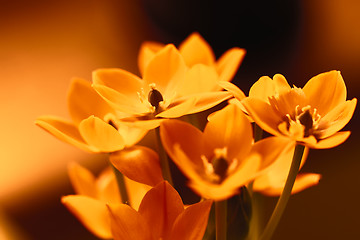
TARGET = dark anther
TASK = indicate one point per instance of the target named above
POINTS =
(220, 166)
(306, 120)
(111, 123)
(155, 98)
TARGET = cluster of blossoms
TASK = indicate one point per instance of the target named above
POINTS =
(136, 199)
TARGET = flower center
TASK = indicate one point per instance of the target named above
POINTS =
(218, 168)
(302, 123)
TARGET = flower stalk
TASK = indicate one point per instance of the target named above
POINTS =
(221, 219)
(281, 204)
(121, 185)
(164, 161)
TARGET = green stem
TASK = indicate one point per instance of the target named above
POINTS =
(285, 195)
(164, 161)
(121, 185)
(221, 219)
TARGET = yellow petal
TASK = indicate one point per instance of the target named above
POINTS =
(166, 70)
(138, 163)
(337, 118)
(229, 128)
(330, 142)
(91, 213)
(263, 89)
(229, 62)
(126, 223)
(199, 78)
(83, 101)
(271, 149)
(263, 114)
(101, 135)
(207, 100)
(124, 103)
(179, 108)
(281, 85)
(325, 91)
(130, 133)
(82, 180)
(64, 131)
(143, 123)
(195, 50)
(108, 190)
(189, 138)
(191, 223)
(276, 176)
(118, 79)
(238, 94)
(146, 53)
(136, 192)
(160, 207)
(302, 182)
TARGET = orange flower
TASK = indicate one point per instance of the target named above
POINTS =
(272, 182)
(311, 116)
(161, 215)
(89, 205)
(223, 158)
(154, 98)
(204, 72)
(95, 127)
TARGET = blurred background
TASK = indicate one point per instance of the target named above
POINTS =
(44, 44)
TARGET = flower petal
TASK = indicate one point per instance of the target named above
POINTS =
(229, 62)
(136, 192)
(191, 223)
(82, 180)
(83, 101)
(138, 163)
(337, 118)
(236, 135)
(281, 84)
(263, 114)
(271, 149)
(303, 181)
(120, 101)
(160, 207)
(238, 94)
(330, 142)
(91, 213)
(126, 223)
(189, 138)
(146, 53)
(118, 79)
(101, 135)
(195, 50)
(325, 91)
(179, 108)
(108, 190)
(142, 122)
(263, 89)
(64, 131)
(199, 78)
(166, 70)
(275, 177)
(208, 100)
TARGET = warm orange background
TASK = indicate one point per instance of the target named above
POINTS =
(43, 44)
